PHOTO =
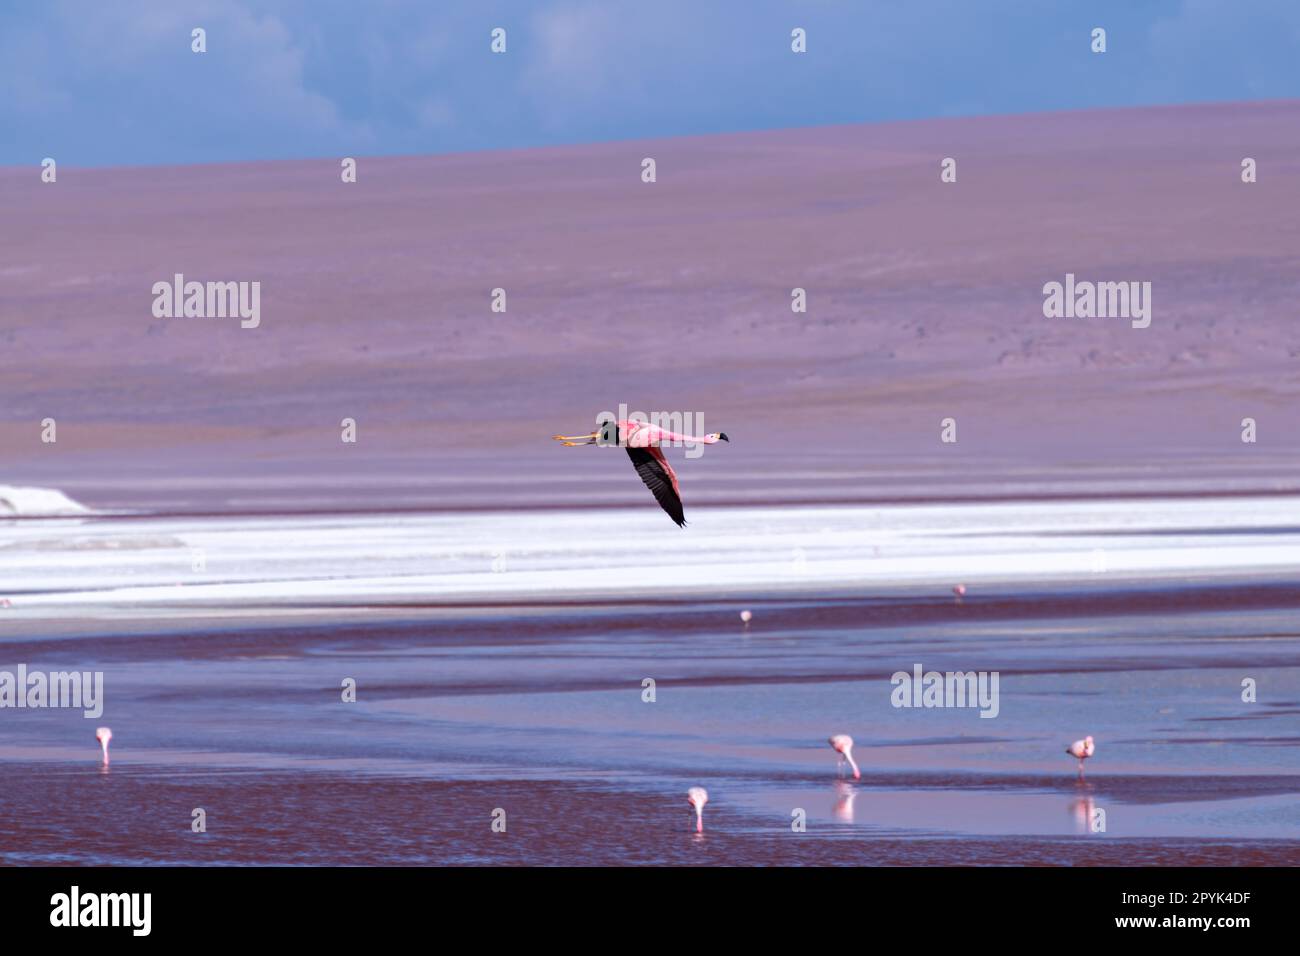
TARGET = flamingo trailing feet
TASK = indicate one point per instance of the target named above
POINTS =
(642, 441)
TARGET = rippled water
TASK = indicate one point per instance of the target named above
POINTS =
(538, 707)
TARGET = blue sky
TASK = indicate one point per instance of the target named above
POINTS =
(95, 83)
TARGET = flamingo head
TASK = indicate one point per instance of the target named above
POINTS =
(714, 437)
(1088, 747)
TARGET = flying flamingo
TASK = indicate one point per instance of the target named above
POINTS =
(843, 745)
(1082, 749)
(642, 439)
(698, 797)
(104, 735)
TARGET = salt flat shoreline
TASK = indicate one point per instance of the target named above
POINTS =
(62, 568)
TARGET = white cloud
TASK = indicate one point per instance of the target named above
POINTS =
(254, 65)
(576, 60)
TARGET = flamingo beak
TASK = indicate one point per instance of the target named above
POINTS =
(722, 436)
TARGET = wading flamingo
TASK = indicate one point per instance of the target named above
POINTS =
(642, 439)
(1081, 749)
(698, 797)
(104, 735)
(843, 745)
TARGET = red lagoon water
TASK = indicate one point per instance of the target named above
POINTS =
(541, 712)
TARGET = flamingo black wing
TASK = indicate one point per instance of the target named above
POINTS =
(658, 476)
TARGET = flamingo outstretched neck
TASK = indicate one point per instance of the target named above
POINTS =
(843, 745)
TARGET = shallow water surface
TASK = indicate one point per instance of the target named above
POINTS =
(540, 709)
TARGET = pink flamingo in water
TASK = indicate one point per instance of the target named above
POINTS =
(843, 745)
(104, 735)
(698, 797)
(1082, 750)
(642, 440)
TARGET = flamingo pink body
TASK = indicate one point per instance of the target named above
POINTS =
(1082, 750)
(843, 745)
(639, 434)
(104, 735)
(698, 797)
(641, 440)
